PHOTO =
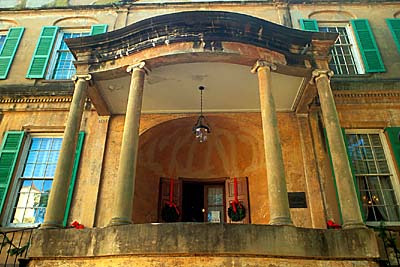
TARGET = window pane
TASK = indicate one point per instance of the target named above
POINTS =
(2, 39)
(64, 68)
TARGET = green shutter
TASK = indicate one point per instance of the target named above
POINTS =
(9, 49)
(394, 26)
(352, 173)
(333, 174)
(367, 46)
(78, 151)
(394, 135)
(42, 53)
(309, 25)
(8, 158)
(98, 28)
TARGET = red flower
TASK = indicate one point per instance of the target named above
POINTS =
(77, 225)
(332, 225)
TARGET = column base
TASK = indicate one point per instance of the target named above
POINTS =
(119, 221)
(51, 225)
(281, 221)
(353, 225)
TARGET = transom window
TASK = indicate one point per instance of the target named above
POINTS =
(345, 59)
(36, 180)
(62, 67)
(373, 176)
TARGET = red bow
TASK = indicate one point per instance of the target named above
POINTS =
(171, 196)
(235, 203)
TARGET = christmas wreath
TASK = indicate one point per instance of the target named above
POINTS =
(170, 212)
(236, 211)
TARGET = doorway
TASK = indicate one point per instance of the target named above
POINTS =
(192, 202)
(203, 201)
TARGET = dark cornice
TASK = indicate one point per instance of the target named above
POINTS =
(202, 28)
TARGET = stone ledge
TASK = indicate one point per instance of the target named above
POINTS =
(206, 239)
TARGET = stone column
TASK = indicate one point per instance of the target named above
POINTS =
(59, 191)
(350, 209)
(122, 210)
(277, 192)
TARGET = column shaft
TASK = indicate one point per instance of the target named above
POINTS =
(351, 213)
(277, 192)
(59, 191)
(125, 183)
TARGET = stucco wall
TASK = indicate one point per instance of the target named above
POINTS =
(234, 148)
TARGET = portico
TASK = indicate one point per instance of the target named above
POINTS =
(131, 75)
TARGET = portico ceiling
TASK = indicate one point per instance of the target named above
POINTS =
(174, 89)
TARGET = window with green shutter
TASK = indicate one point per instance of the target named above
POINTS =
(52, 58)
(346, 58)
(34, 180)
(394, 26)
(374, 175)
(8, 49)
(8, 158)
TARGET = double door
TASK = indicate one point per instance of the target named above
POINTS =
(203, 200)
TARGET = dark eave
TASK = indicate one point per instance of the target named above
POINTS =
(204, 29)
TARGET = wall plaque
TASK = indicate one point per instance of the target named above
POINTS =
(297, 200)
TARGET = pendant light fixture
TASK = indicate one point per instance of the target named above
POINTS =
(201, 129)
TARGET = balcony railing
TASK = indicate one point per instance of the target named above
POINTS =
(389, 245)
(14, 247)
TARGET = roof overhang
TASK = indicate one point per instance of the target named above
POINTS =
(211, 48)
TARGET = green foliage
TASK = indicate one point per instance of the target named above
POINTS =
(240, 213)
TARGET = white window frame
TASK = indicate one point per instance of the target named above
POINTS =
(57, 44)
(354, 45)
(7, 219)
(390, 161)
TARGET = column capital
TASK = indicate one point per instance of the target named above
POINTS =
(318, 73)
(263, 64)
(86, 77)
(139, 66)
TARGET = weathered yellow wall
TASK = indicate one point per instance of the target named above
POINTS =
(234, 148)
(195, 262)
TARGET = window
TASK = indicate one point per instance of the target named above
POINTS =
(51, 58)
(345, 59)
(35, 180)
(374, 176)
(355, 51)
(62, 67)
(27, 168)
(2, 40)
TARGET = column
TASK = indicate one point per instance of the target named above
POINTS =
(59, 191)
(122, 211)
(350, 209)
(277, 192)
